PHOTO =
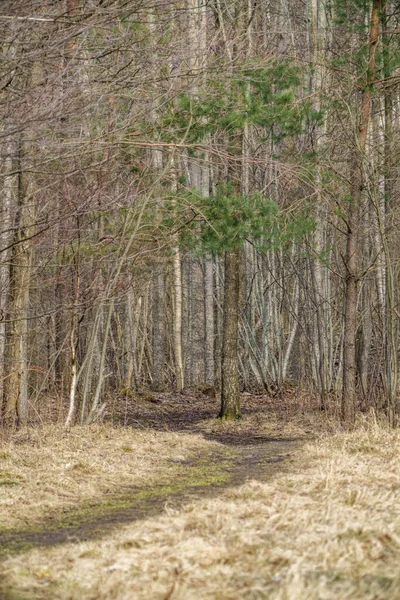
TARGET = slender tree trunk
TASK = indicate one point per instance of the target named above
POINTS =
(158, 337)
(320, 274)
(177, 302)
(95, 410)
(15, 402)
(73, 344)
(158, 340)
(177, 269)
(391, 341)
(9, 193)
(353, 224)
(132, 374)
(209, 320)
(208, 266)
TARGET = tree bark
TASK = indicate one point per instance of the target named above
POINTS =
(158, 337)
(353, 223)
(179, 372)
(15, 401)
(209, 320)
(230, 392)
(9, 193)
(158, 278)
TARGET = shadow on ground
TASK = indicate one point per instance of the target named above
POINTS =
(241, 457)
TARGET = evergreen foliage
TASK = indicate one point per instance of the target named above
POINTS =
(227, 220)
(267, 96)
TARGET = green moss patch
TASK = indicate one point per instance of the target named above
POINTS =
(91, 519)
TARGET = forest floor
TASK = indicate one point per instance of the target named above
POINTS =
(167, 503)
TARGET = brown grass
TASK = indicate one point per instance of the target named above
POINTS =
(48, 469)
(327, 530)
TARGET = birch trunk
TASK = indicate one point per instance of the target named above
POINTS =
(177, 278)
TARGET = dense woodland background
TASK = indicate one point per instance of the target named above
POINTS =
(190, 183)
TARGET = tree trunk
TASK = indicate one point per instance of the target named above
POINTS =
(353, 224)
(9, 194)
(209, 320)
(74, 339)
(179, 372)
(158, 338)
(390, 280)
(230, 393)
(15, 401)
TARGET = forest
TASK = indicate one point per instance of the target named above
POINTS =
(199, 265)
(167, 166)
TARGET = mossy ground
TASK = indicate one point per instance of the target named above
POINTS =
(93, 519)
(55, 470)
(203, 474)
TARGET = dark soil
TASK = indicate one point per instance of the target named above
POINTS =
(242, 457)
(255, 461)
(189, 411)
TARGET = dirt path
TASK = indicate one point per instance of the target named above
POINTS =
(239, 459)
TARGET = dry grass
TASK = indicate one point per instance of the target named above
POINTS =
(328, 530)
(48, 469)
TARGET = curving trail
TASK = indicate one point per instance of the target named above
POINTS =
(238, 459)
